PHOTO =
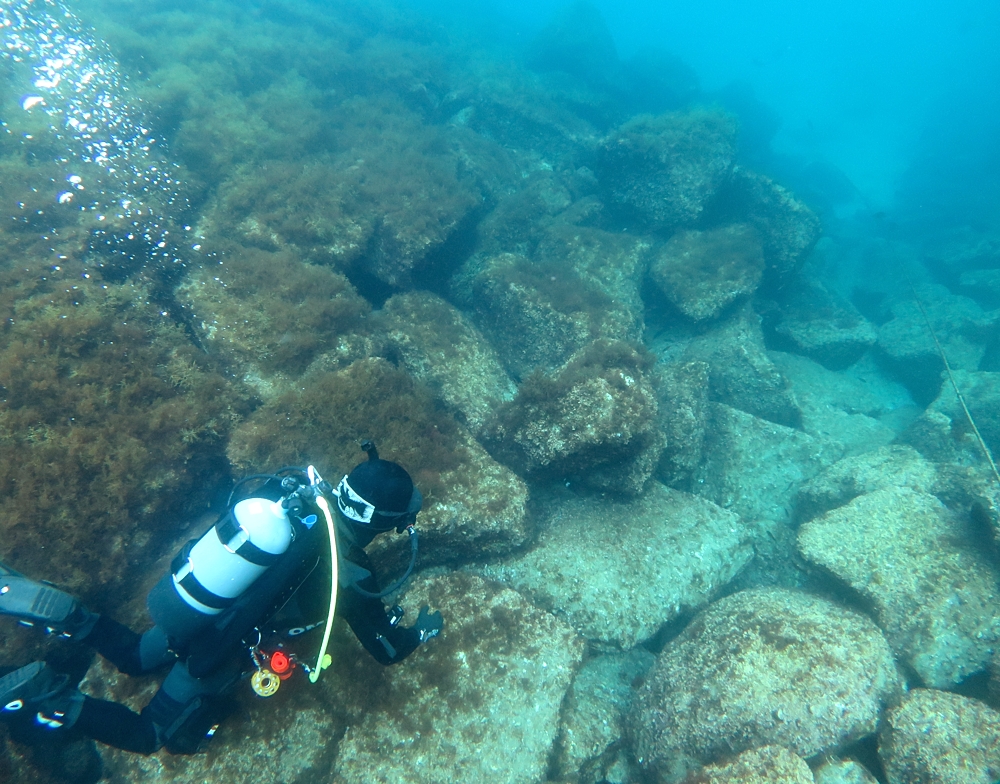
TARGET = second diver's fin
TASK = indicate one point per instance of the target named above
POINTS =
(33, 603)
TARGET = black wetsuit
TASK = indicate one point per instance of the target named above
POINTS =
(207, 666)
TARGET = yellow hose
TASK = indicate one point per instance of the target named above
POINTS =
(323, 660)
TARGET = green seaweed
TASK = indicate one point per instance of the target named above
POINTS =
(325, 419)
(112, 428)
(272, 309)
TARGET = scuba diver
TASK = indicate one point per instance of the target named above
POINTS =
(221, 599)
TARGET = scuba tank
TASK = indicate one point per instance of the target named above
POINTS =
(211, 573)
(233, 554)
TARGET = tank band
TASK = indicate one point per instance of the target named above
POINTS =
(201, 594)
(227, 529)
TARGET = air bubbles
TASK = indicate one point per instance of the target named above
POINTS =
(74, 80)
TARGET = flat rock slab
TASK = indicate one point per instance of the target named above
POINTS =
(617, 571)
(843, 772)
(767, 765)
(934, 594)
(935, 737)
(888, 466)
(764, 666)
(779, 459)
(478, 704)
(441, 347)
(593, 715)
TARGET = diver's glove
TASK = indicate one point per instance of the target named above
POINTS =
(429, 624)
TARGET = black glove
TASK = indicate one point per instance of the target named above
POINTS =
(429, 624)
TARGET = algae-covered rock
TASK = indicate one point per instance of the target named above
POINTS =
(580, 284)
(907, 346)
(479, 703)
(934, 595)
(269, 314)
(592, 724)
(762, 667)
(536, 315)
(703, 272)
(766, 765)
(284, 738)
(585, 571)
(441, 348)
(594, 421)
(787, 227)
(683, 404)
(740, 372)
(666, 168)
(942, 432)
(861, 408)
(843, 772)
(395, 189)
(473, 507)
(112, 433)
(896, 465)
(817, 323)
(780, 460)
(940, 738)
(613, 262)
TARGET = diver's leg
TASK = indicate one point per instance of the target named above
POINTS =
(186, 710)
(386, 641)
(42, 708)
(115, 725)
(131, 653)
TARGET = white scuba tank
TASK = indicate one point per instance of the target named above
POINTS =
(232, 555)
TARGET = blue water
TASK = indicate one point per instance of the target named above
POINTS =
(239, 235)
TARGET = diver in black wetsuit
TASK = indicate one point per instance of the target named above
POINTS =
(215, 605)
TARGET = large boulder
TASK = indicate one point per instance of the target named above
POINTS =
(576, 41)
(593, 716)
(480, 703)
(593, 421)
(396, 190)
(817, 323)
(740, 372)
(576, 285)
(583, 568)
(780, 459)
(441, 348)
(943, 432)
(270, 314)
(762, 667)
(788, 228)
(703, 272)
(934, 594)
(473, 507)
(766, 765)
(935, 737)
(665, 169)
(908, 348)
